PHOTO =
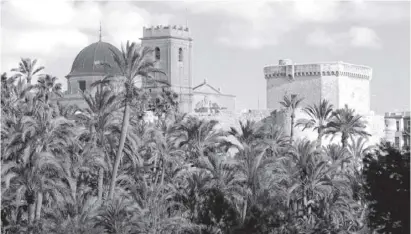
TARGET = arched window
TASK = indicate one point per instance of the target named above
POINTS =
(180, 54)
(157, 52)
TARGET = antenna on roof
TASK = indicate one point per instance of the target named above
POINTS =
(99, 38)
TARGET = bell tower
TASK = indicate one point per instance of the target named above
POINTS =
(173, 51)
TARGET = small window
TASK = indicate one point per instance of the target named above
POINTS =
(82, 85)
(180, 54)
(149, 90)
(157, 52)
(397, 142)
(398, 125)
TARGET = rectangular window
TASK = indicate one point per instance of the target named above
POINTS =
(398, 125)
(82, 85)
(397, 142)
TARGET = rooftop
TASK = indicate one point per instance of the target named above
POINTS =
(397, 114)
(89, 61)
(286, 67)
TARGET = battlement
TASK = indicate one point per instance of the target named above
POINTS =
(286, 68)
(166, 31)
(402, 114)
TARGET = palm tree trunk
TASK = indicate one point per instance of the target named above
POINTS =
(162, 173)
(101, 170)
(292, 127)
(344, 139)
(31, 213)
(100, 183)
(123, 136)
(38, 205)
(319, 139)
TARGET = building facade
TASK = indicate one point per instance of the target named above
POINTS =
(397, 129)
(338, 82)
(173, 53)
(211, 100)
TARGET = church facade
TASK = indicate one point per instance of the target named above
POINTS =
(173, 52)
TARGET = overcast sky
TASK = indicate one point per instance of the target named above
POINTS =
(233, 40)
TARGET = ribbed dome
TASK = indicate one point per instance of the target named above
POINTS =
(87, 61)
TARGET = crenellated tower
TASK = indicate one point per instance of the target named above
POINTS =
(338, 82)
(173, 51)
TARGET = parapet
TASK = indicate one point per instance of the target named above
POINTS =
(166, 31)
(397, 114)
(285, 66)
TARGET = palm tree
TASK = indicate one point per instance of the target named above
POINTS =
(253, 168)
(222, 175)
(274, 138)
(27, 67)
(73, 217)
(346, 122)
(98, 116)
(358, 150)
(47, 88)
(187, 190)
(41, 134)
(198, 137)
(164, 156)
(115, 216)
(31, 180)
(250, 133)
(312, 180)
(291, 103)
(8, 89)
(133, 63)
(319, 116)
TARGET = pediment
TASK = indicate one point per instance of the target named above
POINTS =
(206, 88)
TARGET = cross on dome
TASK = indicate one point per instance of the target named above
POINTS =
(99, 33)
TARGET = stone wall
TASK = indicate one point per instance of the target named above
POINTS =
(338, 91)
(375, 124)
(355, 92)
(308, 87)
(73, 85)
(338, 82)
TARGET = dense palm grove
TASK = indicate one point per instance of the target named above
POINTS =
(104, 169)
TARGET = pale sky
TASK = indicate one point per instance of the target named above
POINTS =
(233, 40)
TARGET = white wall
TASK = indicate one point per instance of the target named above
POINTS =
(355, 92)
(308, 87)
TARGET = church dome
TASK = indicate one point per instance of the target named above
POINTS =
(87, 62)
